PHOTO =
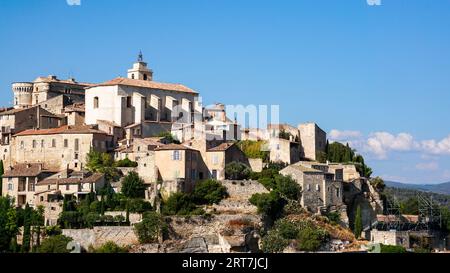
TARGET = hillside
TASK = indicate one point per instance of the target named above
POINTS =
(403, 194)
(443, 188)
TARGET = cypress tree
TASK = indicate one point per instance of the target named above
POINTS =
(358, 223)
(2, 171)
(27, 229)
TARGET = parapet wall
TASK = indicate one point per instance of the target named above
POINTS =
(96, 237)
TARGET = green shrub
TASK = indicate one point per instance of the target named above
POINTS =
(273, 242)
(287, 187)
(137, 205)
(179, 204)
(209, 192)
(254, 149)
(55, 244)
(310, 239)
(151, 228)
(126, 163)
(110, 247)
(133, 186)
(287, 230)
(269, 204)
(237, 171)
(392, 249)
(334, 217)
(267, 182)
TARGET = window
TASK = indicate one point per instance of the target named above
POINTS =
(67, 187)
(31, 186)
(128, 102)
(66, 143)
(95, 102)
(132, 76)
(317, 187)
(10, 186)
(338, 193)
(308, 187)
(176, 155)
(34, 143)
(215, 159)
(77, 144)
(42, 143)
(76, 156)
(22, 145)
(145, 77)
(54, 143)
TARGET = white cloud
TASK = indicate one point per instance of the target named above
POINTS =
(344, 135)
(380, 143)
(428, 166)
(432, 146)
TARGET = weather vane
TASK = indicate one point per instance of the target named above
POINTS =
(140, 57)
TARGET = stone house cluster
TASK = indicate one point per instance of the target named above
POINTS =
(54, 124)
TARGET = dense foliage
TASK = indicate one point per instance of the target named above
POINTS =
(306, 235)
(102, 163)
(151, 228)
(237, 171)
(181, 204)
(133, 186)
(169, 138)
(55, 244)
(109, 247)
(126, 163)
(339, 153)
(254, 149)
(209, 192)
(358, 225)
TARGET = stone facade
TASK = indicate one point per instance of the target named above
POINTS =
(313, 140)
(321, 190)
(59, 148)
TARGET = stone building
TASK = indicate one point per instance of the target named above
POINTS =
(20, 182)
(143, 107)
(59, 148)
(219, 156)
(321, 190)
(28, 94)
(313, 140)
(218, 126)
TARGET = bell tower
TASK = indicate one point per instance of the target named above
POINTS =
(140, 71)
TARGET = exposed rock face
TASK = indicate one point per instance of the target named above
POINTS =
(361, 193)
(233, 227)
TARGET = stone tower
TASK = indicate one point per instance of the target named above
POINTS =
(140, 71)
(23, 92)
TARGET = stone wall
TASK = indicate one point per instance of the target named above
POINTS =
(256, 164)
(395, 238)
(122, 236)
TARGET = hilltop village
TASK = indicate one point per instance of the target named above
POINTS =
(143, 166)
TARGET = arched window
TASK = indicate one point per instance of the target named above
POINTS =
(132, 76)
(96, 102)
(145, 77)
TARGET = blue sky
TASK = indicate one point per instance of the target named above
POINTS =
(377, 76)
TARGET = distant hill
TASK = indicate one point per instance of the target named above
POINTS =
(443, 188)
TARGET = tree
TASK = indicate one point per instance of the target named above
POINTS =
(102, 163)
(151, 228)
(38, 221)
(126, 163)
(268, 204)
(133, 186)
(309, 239)
(287, 187)
(27, 222)
(209, 192)
(357, 230)
(180, 204)
(8, 223)
(12, 229)
(55, 244)
(2, 171)
(237, 171)
(378, 183)
(169, 138)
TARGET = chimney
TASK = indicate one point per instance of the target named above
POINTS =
(38, 117)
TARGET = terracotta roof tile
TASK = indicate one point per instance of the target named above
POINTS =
(222, 147)
(169, 147)
(66, 129)
(24, 170)
(94, 178)
(147, 84)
